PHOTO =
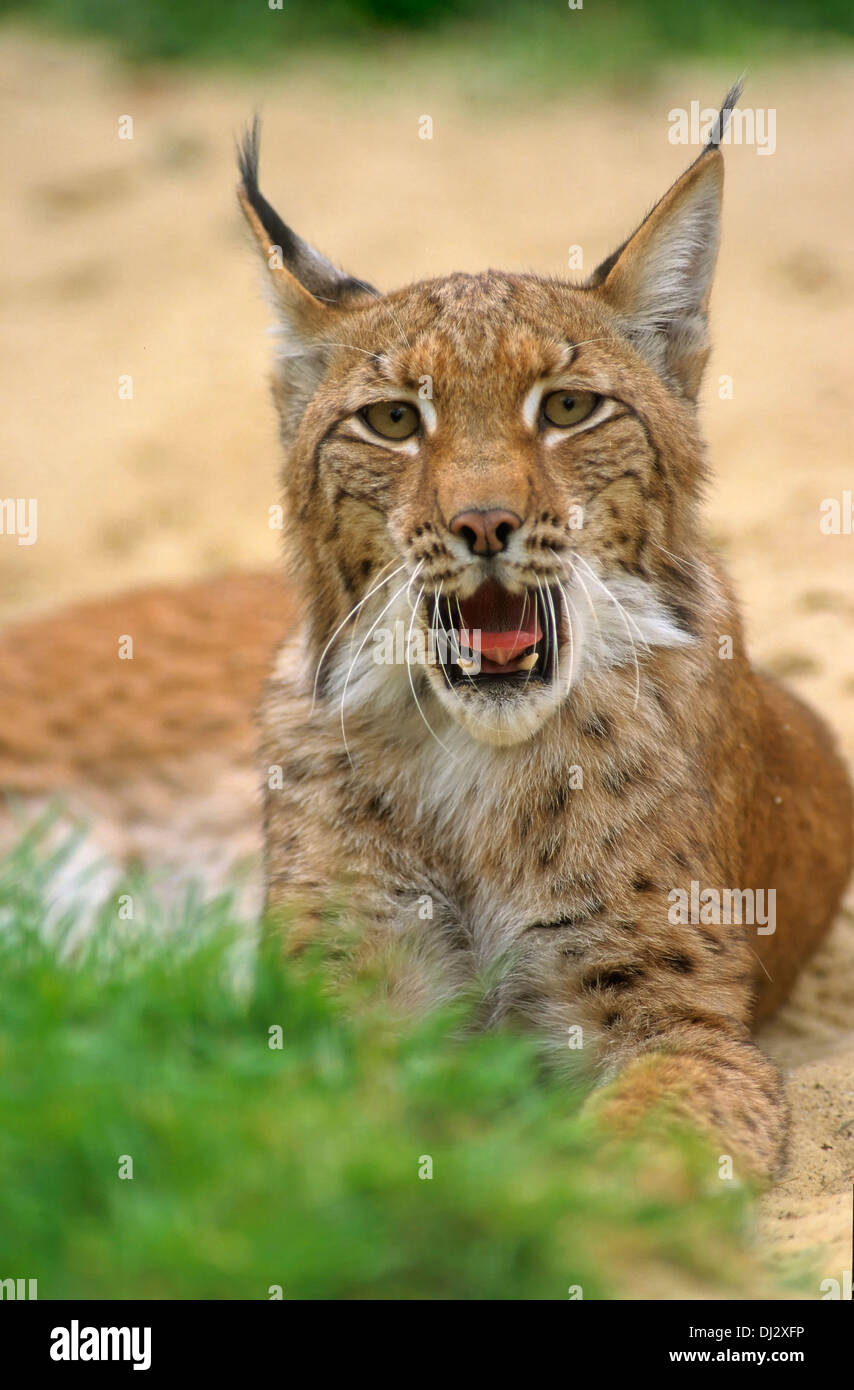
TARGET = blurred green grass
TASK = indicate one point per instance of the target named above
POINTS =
(298, 1167)
(545, 41)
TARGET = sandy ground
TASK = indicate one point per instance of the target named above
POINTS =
(127, 257)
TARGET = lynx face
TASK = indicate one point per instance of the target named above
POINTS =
(501, 467)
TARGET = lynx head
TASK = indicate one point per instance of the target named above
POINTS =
(502, 468)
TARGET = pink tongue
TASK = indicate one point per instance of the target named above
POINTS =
(494, 622)
(503, 646)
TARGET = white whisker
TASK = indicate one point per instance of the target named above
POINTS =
(628, 617)
(460, 633)
(680, 561)
(577, 575)
(565, 596)
(415, 573)
(555, 639)
(381, 614)
(625, 618)
(353, 611)
(406, 653)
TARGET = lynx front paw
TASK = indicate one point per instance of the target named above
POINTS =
(738, 1103)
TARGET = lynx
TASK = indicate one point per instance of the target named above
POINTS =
(512, 466)
(512, 741)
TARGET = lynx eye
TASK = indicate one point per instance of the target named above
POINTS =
(569, 407)
(392, 419)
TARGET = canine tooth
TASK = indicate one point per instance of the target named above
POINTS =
(527, 663)
(464, 663)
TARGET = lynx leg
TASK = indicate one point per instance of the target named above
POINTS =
(712, 1080)
(410, 964)
(665, 1024)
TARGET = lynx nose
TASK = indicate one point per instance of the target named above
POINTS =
(485, 533)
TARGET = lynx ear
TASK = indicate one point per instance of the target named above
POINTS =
(660, 279)
(307, 292)
(305, 285)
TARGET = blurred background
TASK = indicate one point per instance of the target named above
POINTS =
(125, 258)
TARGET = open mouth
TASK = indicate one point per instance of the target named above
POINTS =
(495, 633)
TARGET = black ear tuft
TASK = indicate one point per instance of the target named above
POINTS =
(313, 270)
(248, 152)
(718, 130)
(248, 155)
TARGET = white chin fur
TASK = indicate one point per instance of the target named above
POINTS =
(611, 626)
(503, 721)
